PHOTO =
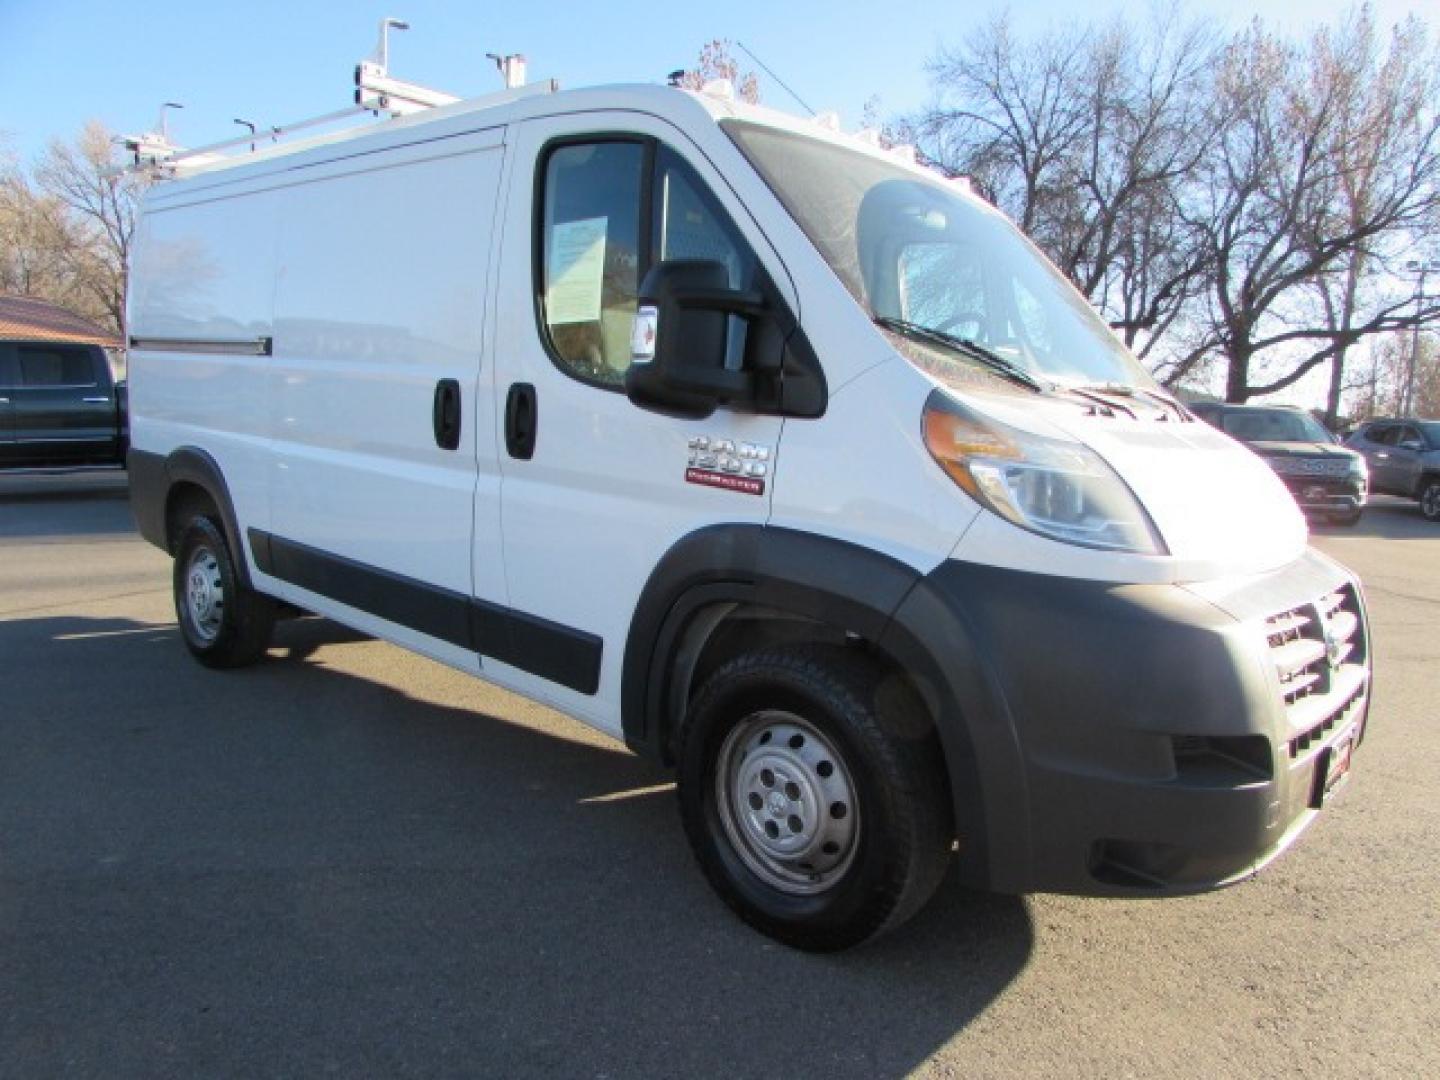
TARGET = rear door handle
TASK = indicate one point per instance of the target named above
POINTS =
(96, 400)
(522, 415)
(445, 415)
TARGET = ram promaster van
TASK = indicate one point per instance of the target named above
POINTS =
(787, 461)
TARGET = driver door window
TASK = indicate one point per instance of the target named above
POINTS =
(592, 255)
(597, 243)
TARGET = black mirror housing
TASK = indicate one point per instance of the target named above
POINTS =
(678, 354)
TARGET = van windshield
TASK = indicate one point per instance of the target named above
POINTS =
(1273, 425)
(920, 256)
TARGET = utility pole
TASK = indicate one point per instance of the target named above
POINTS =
(1421, 268)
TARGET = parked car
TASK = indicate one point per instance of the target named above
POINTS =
(1326, 480)
(781, 457)
(1404, 458)
(59, 407)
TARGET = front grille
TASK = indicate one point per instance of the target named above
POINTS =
(1302, 466)
(1318, 650)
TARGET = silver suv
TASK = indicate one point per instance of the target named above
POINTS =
(1404, 459)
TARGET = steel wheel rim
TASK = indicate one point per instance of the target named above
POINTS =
(204, 594)
(787, 802)
(1430, 501)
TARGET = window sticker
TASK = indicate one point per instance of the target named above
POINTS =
(577, 271)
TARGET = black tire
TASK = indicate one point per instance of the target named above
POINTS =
(1430, 498)
(888, 764)
(224, 624)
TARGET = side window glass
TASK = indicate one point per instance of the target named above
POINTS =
(690, 224)
(591, 252)
(45, 366)
(611, 209)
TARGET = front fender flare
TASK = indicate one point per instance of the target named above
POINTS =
(886, 603)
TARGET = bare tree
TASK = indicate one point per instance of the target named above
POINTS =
(44, 252)
(102, 206)
(716, 62)
(1328, 158)
(1377, 385)
(1240, 199)
(1006, 113)
(1086, 138)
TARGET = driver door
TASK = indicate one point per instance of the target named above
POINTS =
(595, 489)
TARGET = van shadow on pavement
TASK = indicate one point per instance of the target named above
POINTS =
(292, 869)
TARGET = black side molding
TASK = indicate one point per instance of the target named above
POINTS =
(429, 609)
(559, 653)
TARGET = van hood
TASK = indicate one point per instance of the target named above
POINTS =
(1214, 502)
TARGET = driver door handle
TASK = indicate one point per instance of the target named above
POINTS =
(522, 415)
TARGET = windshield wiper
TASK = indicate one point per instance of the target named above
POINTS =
(971, 350)
(1106, 392)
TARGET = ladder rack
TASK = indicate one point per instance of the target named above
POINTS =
(376, 92)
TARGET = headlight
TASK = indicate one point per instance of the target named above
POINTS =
(1058, 489)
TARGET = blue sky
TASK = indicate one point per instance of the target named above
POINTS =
(67, 61)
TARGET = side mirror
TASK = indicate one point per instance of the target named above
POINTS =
(678, 347)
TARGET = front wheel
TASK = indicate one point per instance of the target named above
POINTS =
(1430, 499)
(224, 624)
(812, 794)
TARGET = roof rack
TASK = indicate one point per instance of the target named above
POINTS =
(376, 92)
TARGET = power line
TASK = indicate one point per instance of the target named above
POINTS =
(741, 46)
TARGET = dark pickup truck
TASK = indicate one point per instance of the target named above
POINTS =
(60, 407)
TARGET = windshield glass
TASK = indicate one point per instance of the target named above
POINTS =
(1274, 425)
(913, 248)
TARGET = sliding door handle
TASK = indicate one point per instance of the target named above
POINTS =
(446, 414)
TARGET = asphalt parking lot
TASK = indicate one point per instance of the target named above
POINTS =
(349, 860)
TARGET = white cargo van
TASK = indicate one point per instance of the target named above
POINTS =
(785, 460)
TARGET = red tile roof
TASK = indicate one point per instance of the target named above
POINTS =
(24, 319)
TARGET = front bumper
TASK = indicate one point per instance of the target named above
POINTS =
(1327, 495)
(1142, 740)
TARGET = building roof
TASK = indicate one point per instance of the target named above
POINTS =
(24, 319)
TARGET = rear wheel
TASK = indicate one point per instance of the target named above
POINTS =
(812, 794)
(1430, 498)
(224, 624)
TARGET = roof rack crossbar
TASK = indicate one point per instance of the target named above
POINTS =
(376, 91)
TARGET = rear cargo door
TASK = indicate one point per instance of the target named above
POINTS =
(384, 476)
